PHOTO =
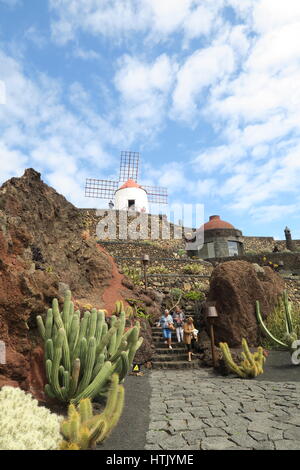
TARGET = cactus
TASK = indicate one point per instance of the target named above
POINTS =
(81, 354)
(250, 366)
(82, 430)
(290, 335)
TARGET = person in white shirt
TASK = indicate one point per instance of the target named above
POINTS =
(165, 321)
(179, 319)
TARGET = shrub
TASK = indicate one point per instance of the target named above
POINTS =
(158, 270)
(135, 274)
(193, 268)
(194, 295)
(24, 425)
(176, 293)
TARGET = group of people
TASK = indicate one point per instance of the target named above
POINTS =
(184, 327)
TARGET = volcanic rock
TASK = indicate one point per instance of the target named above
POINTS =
(234, 287)
(43, 251)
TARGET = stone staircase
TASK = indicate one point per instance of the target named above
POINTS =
(176, 358)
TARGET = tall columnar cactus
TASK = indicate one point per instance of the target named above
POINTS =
(81, 354)
(82, 430)
(290, 335)
(250, 366)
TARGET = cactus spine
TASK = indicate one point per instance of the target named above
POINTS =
(250, 366)
(82, 430)
(81, 354)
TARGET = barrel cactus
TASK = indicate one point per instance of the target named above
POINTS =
(82, 353)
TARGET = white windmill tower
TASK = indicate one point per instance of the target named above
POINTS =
(127, 194)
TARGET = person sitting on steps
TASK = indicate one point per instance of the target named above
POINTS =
(165, 322)
(188, 332)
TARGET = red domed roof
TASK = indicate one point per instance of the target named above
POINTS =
(130, 184)
(215, 222)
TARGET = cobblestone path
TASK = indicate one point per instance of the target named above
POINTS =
(195, 409)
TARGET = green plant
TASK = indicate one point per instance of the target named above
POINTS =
(135, 274)
(83, 430)
(158, 270)
(81, 354)
(193, 268)
(194, 295)
(24, 425)
(250, 366)
(282, 326)
(138, 309)
(176, 293)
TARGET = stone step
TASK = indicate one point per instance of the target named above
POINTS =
(173, 357)
(161, 338)
(194, 364)
(161, 344)
(176, 349)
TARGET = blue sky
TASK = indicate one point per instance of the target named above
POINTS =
(207, 90)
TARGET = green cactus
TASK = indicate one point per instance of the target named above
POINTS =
(290, 335)
(250, 366)
(82, 430)
(81, 354)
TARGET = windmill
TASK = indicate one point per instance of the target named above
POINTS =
(126, 193)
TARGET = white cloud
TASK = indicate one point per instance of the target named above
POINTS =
(273, 212)
(2, 92)
(204, 68)
(118, 19)
(11, 3)
(144, 89)
(269, 15)
(37, 128)
(36, 37)
(86, 54)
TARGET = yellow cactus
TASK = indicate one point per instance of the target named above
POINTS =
(82, 430)
(250, 366)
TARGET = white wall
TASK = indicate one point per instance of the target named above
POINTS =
(122, 197)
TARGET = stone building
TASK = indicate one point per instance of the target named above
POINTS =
(221, 239)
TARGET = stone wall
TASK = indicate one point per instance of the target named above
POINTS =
(291, 261)
(165, 282)
(265, 244)
(170, 265)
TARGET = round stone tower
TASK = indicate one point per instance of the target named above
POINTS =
(221, 239)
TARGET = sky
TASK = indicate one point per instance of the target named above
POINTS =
(206, 90)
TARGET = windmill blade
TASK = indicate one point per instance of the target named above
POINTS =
(129, 166)
(156, 194)
(102, 189)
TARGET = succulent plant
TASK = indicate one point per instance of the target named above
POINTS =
(82, 353)
(250, 366)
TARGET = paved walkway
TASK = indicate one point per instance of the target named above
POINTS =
(195, 409)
